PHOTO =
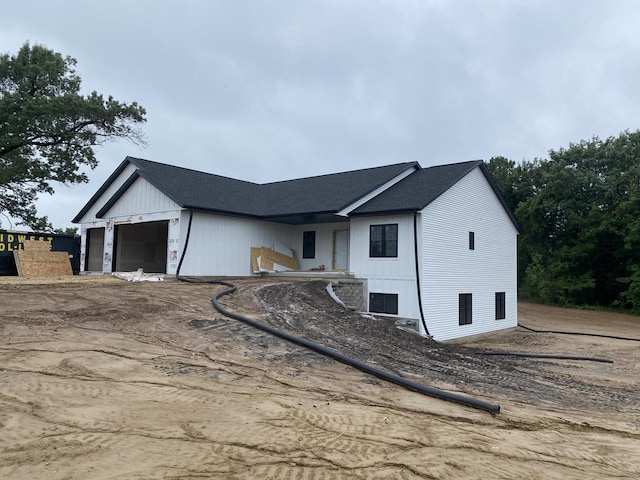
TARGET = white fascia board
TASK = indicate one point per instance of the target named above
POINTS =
(347, 210)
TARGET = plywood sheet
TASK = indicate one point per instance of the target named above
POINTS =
(265, 259)
(37, 260)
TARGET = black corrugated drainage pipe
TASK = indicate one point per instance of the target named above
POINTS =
(433, 392)
(545, 355)
(390, 377)
(415, 248)
(580, 333)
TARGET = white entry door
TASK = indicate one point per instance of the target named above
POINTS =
(340, 249)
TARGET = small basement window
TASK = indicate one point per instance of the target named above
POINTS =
(500, 306)
(383, 240)
(309, 244)
(465, 309)
(383, 303)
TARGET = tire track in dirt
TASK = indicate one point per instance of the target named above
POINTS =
(141, 394)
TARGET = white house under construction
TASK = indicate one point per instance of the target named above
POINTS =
(435, 244)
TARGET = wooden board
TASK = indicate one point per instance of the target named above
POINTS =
(37, 260)
(269, 258)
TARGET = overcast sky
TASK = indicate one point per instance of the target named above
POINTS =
(278, 89)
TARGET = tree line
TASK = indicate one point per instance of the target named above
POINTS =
(580, 214)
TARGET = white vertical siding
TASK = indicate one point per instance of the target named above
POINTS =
(449, 267)
(141, 197)
(221, 245)
(387, 275)
(90, 216)
(324, 243)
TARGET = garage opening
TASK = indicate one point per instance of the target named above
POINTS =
(94, 250)
(141, 245)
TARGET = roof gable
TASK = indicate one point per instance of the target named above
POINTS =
(200, 190)
(417, 190)
(102, 190)
(422, 187)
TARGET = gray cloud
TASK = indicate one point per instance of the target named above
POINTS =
(272, 90)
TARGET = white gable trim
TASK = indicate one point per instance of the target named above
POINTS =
(141, 197)
(90, 215)
(347, 210)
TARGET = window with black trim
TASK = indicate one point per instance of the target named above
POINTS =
(383, 240)
(501, 313)
(472, 241)
(383, 303)
(465, 308)
(309, 244)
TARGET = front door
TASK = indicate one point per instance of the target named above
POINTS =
(340, 249)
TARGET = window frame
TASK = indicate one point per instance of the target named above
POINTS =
(501, 305)
(465, 309)
(385, 247)
(390, 303)
(309, 236)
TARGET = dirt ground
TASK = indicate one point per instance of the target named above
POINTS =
(106, 379)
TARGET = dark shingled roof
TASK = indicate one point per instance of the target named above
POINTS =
(303, 200)
(202, 191)
(423, 186)
(417, 190)
(325, 194)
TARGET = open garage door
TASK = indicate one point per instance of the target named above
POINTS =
(141, 245)
(94, 250)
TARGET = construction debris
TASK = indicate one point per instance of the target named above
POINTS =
(139, 276)
(265, 259)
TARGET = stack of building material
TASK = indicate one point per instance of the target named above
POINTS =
(37, 260)
(265, 259)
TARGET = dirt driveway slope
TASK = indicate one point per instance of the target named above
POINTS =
(105, 379)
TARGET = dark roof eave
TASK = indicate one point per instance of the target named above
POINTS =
(102, 189)
(227, 213)
(496, 190)
(298, 214)
(116, 196)
(402, 211)
(476, 164)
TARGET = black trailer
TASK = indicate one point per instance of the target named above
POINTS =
(12, 240)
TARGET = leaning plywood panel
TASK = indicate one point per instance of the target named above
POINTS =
(267, 260)
(37, 260)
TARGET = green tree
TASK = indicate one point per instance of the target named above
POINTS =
(581, 219)
(72, 231)
(519, 183)
(515, 181)
(48, 128)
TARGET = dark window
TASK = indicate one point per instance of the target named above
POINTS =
(309, 244)
(500, 306)
(383, 240)
(383, 303)
(464, 308)
(472, 241)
